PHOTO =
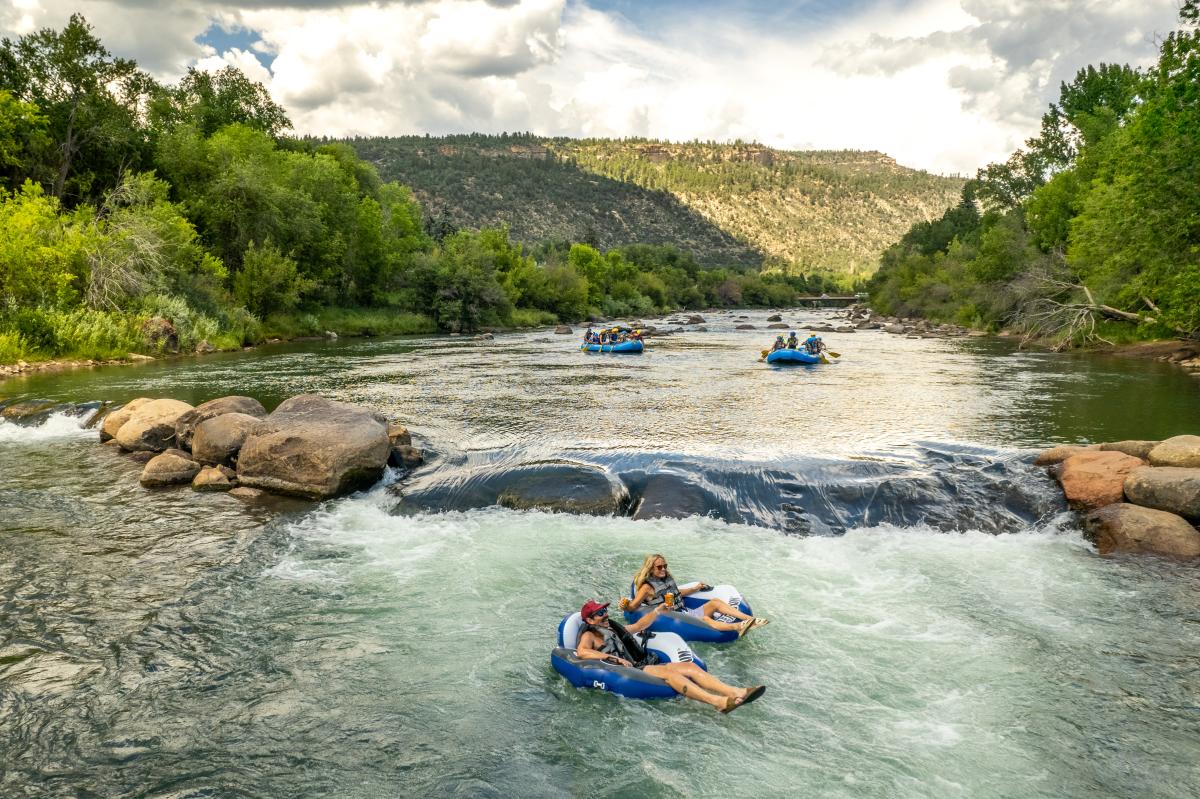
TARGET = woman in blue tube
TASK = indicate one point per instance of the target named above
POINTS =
(653, 584)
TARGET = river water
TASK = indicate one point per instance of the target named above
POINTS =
(939, 628)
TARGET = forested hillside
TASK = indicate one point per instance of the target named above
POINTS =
(137, 216)
(1089, 233)
(805, 212)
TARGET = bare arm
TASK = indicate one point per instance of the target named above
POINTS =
(643, 594)
(645, 621)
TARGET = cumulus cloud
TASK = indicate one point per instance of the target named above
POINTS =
(945, 85)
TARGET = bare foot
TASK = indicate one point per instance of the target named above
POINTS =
(732, 703)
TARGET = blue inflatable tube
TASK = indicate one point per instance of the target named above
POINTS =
(693, 628)
(792, 356)
(624, 346)
(621, 680)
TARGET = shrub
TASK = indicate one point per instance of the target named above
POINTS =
(12, 346)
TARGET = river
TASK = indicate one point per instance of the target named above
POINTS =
(939, 627)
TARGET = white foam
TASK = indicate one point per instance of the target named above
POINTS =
(56, 426)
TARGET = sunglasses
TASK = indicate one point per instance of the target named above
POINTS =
(600, 614)
(661, 566)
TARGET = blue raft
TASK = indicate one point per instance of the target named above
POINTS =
(792, 356)
(692, 628)
(620, 680)
(624, 346)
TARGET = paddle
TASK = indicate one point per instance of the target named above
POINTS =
(764, 355)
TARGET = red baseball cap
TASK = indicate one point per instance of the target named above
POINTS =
(590, 607)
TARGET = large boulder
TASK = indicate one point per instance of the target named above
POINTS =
(1131, 528)
(1168, 488)
(315, 448)
(172, 467)
(563, 330)
(151, 428)
(1138, 449)
(218, 440)
(1093, 479)
(775, 318)
(185, 428)
(1178, 451)
(113, 422)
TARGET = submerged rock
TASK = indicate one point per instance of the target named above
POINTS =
(172, 467)
(557, 486)
(1093, 479)
(219, 439)
(315, 448)
(185, 428)
(28, 410)
(151, 428)
(672, 496)
(1170, 488)
(1178, 451)
(245, 492)
(775, 318)
(1123, 527)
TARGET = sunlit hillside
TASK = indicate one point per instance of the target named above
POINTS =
(728, 203)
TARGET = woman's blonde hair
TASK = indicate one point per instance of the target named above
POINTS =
(647, 566)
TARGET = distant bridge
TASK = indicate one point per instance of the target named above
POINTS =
(830, 301)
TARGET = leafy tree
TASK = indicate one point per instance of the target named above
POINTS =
(208, 101)
(269, 281)
(91, 101)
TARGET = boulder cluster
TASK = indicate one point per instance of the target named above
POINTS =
(1136, 496)
(309, 446)
(866, 319)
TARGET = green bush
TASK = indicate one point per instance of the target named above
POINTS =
(12, 346)
(85, 333)
(532, 317)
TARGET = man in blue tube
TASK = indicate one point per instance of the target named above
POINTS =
(600, 641)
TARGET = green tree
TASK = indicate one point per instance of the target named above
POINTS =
(208, 101)
(91, 101)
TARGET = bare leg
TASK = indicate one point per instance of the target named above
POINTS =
(706, 680)
(684, 686)
(721, 606)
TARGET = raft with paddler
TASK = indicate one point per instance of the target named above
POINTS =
(789, 351)
(615, 339)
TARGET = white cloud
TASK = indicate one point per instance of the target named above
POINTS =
(945, 85)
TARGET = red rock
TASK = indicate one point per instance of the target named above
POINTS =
(1093, 478)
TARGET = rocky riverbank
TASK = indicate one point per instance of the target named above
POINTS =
(1134, 496)
(308, 447)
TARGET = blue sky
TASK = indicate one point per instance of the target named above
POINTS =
(943, 85)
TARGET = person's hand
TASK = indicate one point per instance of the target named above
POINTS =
(623, 604)
(705, 587)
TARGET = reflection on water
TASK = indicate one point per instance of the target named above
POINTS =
(173, 644)
(699, 392)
